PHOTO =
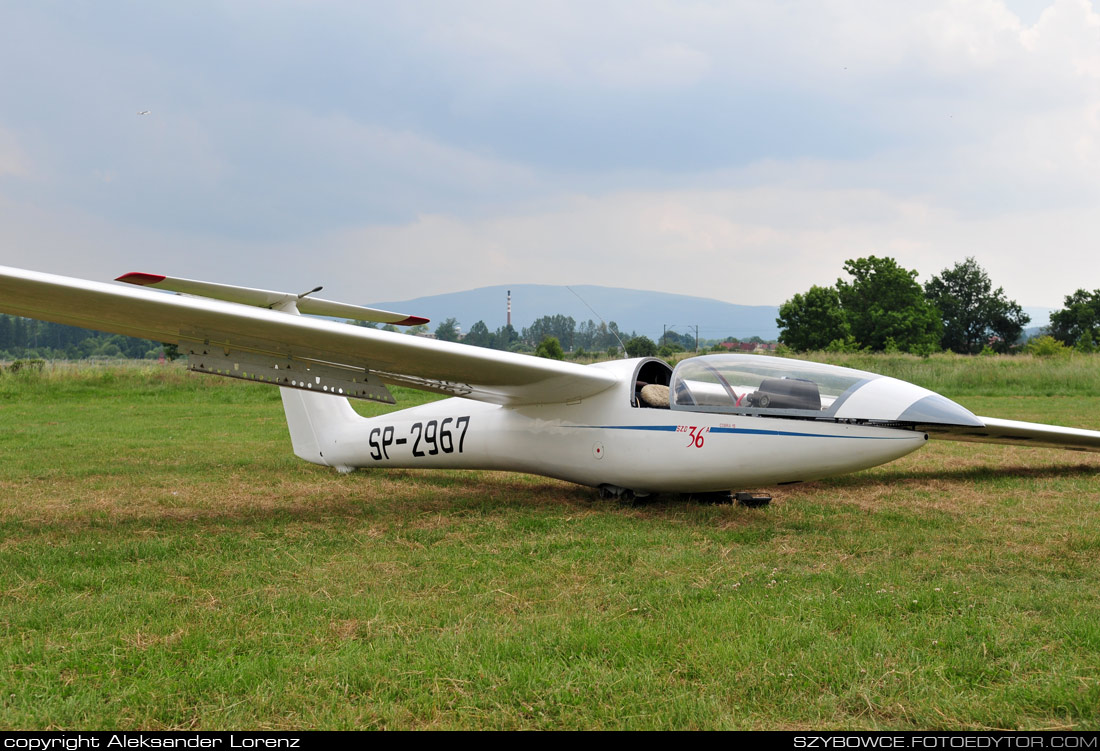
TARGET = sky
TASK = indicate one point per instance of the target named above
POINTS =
(735, 150)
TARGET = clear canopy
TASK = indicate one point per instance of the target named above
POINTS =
(758, 384)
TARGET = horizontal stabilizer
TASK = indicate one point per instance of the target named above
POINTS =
(265, 298)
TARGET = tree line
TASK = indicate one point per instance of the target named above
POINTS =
(882, 307)
(588, 336)
(29, 338)
(553, 336)
(558, 335)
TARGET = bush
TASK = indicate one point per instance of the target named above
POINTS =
(1046, 346)
(550, 348)
(847, 344)
(30, 366)
(641, 346)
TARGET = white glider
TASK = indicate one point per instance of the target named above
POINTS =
(632, 427)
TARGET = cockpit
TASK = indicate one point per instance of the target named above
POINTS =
(751, 384)
(780, 387)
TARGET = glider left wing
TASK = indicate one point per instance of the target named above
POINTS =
(1018, 433)
(224, 328)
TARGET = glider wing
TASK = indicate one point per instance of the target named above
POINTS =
(272, 337)
(1017, 433)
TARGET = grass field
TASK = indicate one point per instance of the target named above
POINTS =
(166, 562)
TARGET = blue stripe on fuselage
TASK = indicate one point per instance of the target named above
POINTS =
(744, 431)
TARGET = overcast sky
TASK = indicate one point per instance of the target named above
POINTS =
(735, 150)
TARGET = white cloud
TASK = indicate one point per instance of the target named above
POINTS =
(738, 150)
(757, 246)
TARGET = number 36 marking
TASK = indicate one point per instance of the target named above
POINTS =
(696, 436)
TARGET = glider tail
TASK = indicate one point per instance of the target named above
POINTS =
(317, 422)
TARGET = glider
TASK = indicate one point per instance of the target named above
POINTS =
(712, 424)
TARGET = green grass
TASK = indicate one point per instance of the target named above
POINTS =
(165, 562)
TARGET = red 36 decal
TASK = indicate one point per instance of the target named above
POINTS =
(695, 434)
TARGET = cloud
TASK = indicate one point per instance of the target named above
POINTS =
(739, 150)
(754, 246)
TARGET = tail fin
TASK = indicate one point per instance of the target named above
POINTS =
(316, 422)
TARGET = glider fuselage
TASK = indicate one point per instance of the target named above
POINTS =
(607, 440)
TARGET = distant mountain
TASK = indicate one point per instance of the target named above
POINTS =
(633, 310)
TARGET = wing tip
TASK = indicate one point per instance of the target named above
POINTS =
(412, 321)
(137, 277)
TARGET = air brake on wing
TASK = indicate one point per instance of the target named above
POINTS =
(295, 373)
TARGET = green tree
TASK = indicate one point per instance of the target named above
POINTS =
(1080, 316)
(447, 331)
(813, 320)
(558, 326)
(550, 348)
(479, 335)
(973, 312)
(641, 346)
(883, 301)
(504, 337)
(677, 342)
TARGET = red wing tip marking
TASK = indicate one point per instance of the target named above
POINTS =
(136, 277)
(412, 321)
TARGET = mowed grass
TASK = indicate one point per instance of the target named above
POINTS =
(166, 562)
